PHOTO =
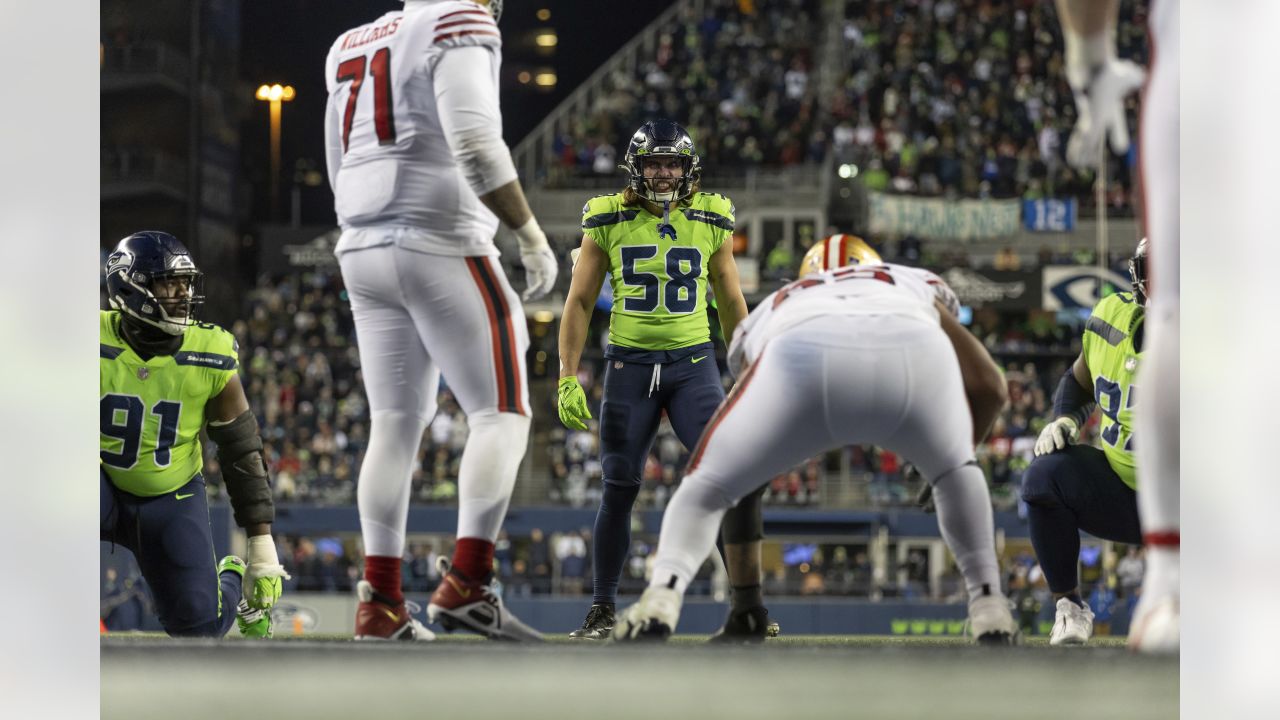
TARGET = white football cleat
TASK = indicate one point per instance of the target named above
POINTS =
(991, 622)
(1072, 624)
(1156, 626)
(652, 618)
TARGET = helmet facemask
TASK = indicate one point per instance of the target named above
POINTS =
(1138, 273)
(673, 189)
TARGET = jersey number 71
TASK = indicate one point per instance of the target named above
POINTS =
(353, 70)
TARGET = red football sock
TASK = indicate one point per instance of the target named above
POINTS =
(383, 573)
(473, 558)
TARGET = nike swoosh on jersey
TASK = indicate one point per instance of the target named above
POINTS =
(180, 496)
(699, 359)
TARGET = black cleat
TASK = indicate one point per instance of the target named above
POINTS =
(747, 625)
(598, 625)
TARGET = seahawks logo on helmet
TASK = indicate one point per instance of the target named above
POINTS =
(119, 260)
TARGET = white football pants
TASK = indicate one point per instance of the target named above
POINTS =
(833, 381)
(418, 315)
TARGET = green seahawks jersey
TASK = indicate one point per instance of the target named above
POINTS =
(1113, 363)
(658, 273)
(152, 411)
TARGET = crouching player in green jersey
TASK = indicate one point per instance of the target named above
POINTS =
(660, 241)
(1071, 487)
(163, 376)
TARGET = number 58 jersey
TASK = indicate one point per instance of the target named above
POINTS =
(152, 411)
(389, 158)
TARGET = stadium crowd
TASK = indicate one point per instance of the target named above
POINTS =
(937, 97)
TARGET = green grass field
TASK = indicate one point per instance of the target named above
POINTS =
(785, 640)
(328, 676)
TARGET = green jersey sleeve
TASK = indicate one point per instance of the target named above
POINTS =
(1113, 359)
(601, 218)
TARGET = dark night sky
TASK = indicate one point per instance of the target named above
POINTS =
(286, 41)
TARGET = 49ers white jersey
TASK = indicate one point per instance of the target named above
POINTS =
(390, 163)
(886, 289)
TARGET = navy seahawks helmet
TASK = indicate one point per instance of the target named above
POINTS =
(659, 138)
(140, 260)
(1138, 272)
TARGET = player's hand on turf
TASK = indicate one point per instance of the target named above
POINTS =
(1056, 436)
(263, 573)
(1100, 94)
(573, 404)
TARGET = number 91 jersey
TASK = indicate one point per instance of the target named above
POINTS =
(658, 272)
(152, 411)
(389, 160)
(1113, 361)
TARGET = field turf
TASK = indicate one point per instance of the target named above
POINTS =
(152, 676)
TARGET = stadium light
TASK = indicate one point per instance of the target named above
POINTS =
(545, 79)
(544, 14)
(547, 39)
(848, 171)
(275, 95)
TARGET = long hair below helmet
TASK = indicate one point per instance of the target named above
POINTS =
(837, 251)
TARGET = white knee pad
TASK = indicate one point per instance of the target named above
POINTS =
(495, 446)
(383, 490)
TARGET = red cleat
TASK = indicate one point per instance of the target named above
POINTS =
(460, 602)
(380, 618)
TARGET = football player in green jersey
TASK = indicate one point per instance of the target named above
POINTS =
(660, 241)
(162, 377)
(1071, 487)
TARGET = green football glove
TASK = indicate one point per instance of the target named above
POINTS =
(573, 404)
(263, 573)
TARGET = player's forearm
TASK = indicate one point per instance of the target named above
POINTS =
(984, 384)
(1071, 399)
(509, 204)
(255, 529)
(573, 335)
(1087, 17)
(732, 314)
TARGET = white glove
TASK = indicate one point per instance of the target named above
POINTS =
(1057, 435)
(263, 573)
(1100, 83)
(540, 264)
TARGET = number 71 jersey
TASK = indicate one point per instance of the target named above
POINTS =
(151, 411)
(388, 157)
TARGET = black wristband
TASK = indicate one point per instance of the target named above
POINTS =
(1071, 400)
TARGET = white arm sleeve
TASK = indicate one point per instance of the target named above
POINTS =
(332, 143)
(332, 122)
(467, 99)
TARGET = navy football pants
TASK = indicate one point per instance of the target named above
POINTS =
(630, 413)
(170, 537)
(1072, 490)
